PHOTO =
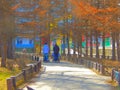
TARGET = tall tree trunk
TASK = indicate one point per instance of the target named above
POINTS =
(40, 46)
(113, 46)
(118, 46)
(97, 45)
(10, 49)
(63, 47)
(34, 49)
(74, 49)
(4, 54)
(49, 42)
(91, 45)
(68, 47)
(80, 43)
(78, 48)
(86, 44)
(68, 44)
(0, 50)
(103, 45)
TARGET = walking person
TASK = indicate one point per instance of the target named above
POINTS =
(56, 53)
(46, 53)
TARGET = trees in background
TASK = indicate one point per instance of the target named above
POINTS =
(84, 18)
(98, 19)
(7, 29)
(34, 16)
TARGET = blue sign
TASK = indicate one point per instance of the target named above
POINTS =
(24, 43)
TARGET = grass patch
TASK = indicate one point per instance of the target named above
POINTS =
(13, 68)
(4, 74)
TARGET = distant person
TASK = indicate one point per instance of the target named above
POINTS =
(46, 53)
(24, 50)
(56, 53)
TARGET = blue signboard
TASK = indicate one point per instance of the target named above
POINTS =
(24, 43)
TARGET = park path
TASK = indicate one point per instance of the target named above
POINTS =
(67, 76)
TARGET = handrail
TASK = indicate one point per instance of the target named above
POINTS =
(14, 81)
(96, 66)
(99, 67)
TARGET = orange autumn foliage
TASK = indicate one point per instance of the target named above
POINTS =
(81, 8)
(99, 18)
(32, 24)
(44, 3)
(40, 12)
(15, 7)
(108, 10)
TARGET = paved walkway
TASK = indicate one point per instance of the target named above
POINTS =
(67, 76)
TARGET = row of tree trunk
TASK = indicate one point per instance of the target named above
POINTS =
(6, 49)
(115, 49)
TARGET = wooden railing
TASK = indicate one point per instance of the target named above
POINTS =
(92, 65)
(98, 67)
(15, 81)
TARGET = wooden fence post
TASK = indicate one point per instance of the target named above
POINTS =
(112, 74)
(91, 65)
(95, 66)
(24, 74)
(99, 68)
(35, 68)
(103, 69)
(31, 70)
(9, 84)
(38, 65)
(13, 78)
(78, 60)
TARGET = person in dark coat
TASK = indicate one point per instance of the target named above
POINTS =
(56, 53)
